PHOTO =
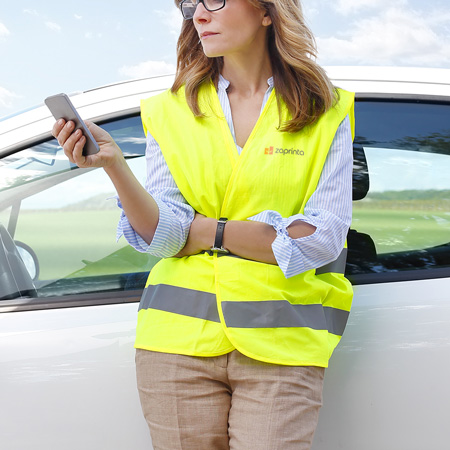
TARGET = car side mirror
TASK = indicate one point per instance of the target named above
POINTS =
(29, 258)
(15, 280)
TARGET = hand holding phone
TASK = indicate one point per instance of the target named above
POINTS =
(62, 108)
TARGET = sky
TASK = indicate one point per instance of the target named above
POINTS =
(50, 46)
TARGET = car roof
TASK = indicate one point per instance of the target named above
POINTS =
(119, 99)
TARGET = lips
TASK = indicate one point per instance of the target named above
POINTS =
(207, 34)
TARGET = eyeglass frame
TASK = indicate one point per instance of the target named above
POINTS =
(203, 3)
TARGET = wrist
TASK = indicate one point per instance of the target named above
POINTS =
(219, 236)
(202, 232)
(209, 233)
(117, 165)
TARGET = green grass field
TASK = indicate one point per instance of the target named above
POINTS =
(69, 241)
(82, 243)
(399, 230)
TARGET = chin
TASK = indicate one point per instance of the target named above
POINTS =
(211, 52)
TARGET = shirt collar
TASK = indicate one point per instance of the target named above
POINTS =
(224, 84)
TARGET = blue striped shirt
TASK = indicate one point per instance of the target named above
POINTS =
(329, 209)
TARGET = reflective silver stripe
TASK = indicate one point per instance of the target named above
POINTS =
(260, 314)
(281, 313)
(336, 266)
(187, 302)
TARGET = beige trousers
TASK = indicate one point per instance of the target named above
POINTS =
(227, 402)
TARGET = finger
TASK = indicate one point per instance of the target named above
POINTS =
(70, 143)
(78, 157)
(57, 127)
(65, 133)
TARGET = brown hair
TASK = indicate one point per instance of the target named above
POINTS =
(299, 81)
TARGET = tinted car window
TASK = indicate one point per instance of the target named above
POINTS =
(63, 219)
(401, 222)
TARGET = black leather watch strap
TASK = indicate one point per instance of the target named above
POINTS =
(218, 241)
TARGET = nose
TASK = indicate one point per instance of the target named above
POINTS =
(201, 14)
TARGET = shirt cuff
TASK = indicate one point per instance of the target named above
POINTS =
(163, 244)
(282, 247)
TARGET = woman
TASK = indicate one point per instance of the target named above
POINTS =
(249, 175)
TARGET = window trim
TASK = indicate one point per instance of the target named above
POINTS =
(70, 301)
(405, 98)
(134, 296)
(393, 277)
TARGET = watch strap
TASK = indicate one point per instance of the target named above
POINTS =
(218, 240)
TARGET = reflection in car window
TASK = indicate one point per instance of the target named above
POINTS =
(68, 216)
(403, 221)
(31, 164)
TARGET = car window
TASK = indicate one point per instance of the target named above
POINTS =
(63, 219)
(402, 221)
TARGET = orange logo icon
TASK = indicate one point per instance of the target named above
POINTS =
(268, 151)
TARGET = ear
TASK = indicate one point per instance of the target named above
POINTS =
(267, 20)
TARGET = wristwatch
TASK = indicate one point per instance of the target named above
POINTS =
(218, 247)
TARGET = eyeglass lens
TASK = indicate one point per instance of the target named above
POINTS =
(188, 7)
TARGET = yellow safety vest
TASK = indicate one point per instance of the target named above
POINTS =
(208, 304)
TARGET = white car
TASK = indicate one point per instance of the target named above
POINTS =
(69, 292)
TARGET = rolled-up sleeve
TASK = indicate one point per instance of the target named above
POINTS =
(175, 214)
(329, 209)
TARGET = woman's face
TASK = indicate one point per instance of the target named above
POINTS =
(237, 28)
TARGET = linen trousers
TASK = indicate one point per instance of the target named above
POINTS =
(228, 402)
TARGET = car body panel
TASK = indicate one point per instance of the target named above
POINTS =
(386, 386)
(67, 379)
(84, 357)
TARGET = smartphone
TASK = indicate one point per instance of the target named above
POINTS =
(62, 108)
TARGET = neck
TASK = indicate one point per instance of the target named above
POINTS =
(247, 74)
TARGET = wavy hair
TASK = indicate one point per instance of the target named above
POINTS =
(298, 80)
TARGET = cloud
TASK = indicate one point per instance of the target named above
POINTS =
(346, 7)
(53, 26)
(310, 12)
(395, 37)
(48, 23)
(147, 69)
(6, 97)
(3, 30)
(31, 12)
(77, 16)
(172, 20)
(91, 35)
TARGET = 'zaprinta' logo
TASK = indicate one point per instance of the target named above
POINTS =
(283, 151)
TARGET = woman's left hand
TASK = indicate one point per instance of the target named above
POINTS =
(201, 236)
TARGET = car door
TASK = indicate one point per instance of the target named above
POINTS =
(386, 387)
(67, 322)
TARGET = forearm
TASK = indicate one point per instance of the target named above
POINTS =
(140, 208)
(250, 240)
(253, 240)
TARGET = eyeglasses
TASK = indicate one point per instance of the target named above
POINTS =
(188, 7)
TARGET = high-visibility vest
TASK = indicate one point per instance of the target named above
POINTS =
(209, 304)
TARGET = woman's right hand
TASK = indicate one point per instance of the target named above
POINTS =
(73, 143)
